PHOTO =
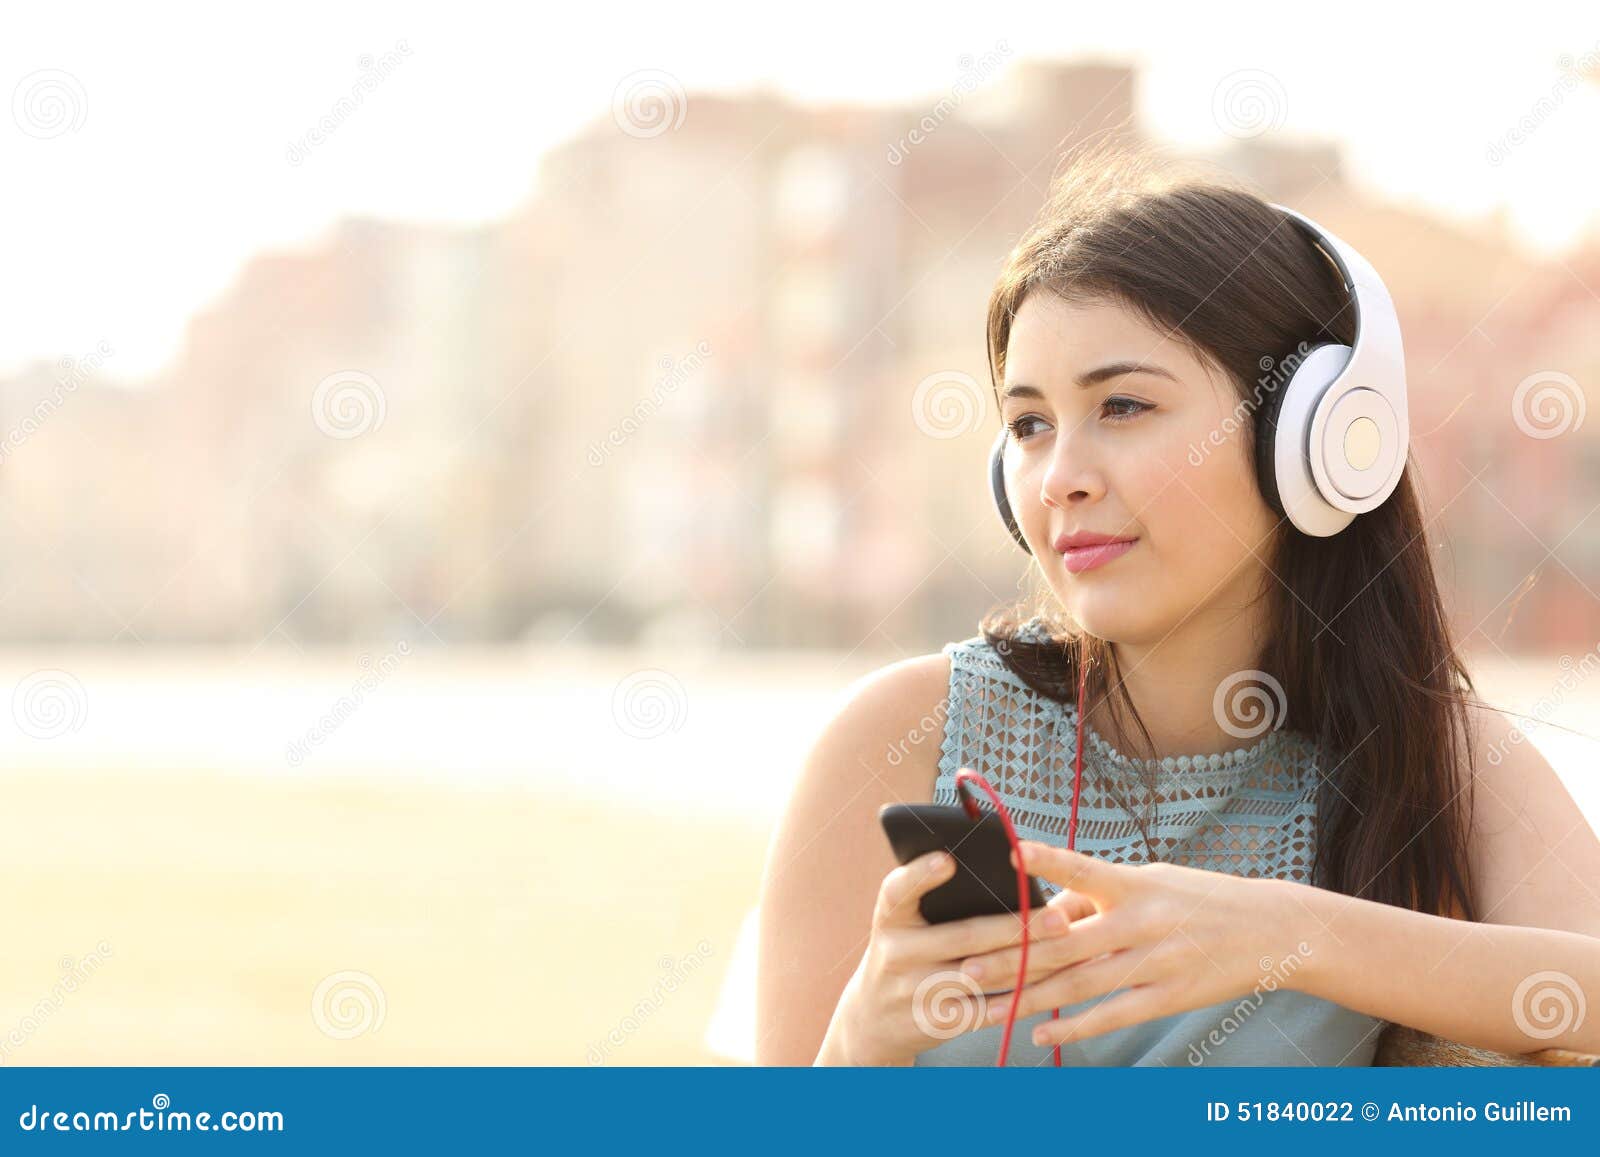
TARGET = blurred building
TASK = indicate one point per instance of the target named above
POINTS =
(722, 380)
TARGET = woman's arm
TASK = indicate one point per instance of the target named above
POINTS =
(1493, 986)
(1521, 980)
(829, 855)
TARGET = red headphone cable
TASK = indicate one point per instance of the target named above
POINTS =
(966, 775)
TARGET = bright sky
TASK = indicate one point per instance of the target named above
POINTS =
(118, 228)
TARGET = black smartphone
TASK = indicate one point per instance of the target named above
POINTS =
(984, 883)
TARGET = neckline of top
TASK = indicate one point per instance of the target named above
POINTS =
(1239, 757)
(1211, 762)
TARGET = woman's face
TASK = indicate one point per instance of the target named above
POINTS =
(1160, 457)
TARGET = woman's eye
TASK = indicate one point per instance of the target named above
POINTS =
(1019, 427)
(1120, 408)
(1115, 409)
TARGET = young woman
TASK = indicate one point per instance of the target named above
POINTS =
(1380, 848)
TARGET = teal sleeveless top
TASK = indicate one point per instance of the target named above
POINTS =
(1248, 812)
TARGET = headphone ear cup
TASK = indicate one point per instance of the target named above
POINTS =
(1283, 424)
(1267, 417)
(997, 487)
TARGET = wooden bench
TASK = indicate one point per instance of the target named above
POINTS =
(1399, 1045)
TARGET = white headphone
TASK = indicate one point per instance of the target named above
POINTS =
(1331, 442)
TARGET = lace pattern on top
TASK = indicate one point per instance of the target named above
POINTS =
(1247, 812)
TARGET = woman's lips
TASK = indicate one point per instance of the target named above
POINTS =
(1081, 558)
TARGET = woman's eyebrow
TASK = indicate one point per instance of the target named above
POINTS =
(1093, 378)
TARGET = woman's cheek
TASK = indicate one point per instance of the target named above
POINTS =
(1197, 542)
(1228, 520)
(1235, 497)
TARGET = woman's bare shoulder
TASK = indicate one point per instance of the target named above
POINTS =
(891, 722)
(881, 744)
(1531, 845)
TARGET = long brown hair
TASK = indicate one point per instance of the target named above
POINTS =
(1359, 642)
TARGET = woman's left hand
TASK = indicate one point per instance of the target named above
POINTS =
(1176, 938)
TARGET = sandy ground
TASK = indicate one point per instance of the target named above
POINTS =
(413, 895)
(209, 919)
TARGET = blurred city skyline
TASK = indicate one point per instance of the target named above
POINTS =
(197, 132)
(719, 379)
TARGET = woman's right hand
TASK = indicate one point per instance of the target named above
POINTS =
(909, 994)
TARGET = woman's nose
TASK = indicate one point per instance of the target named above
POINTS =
(1071, 476)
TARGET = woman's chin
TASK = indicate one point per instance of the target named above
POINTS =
(1117, 616)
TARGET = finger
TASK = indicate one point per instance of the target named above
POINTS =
(976, 935)
(1097, 879)
(1135, 1006)
(1090, 937)
(1087, 980)
(904, 887)
(1075, 905)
